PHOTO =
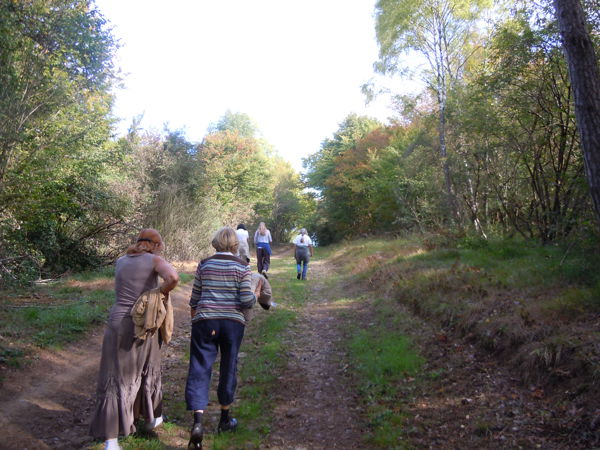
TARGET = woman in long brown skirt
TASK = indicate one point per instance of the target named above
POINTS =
(129, 382)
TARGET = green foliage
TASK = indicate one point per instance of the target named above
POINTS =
(234, 170)
(239, 123)
(383, 180)
(55, 75)
(520, 146)
(335, 184)
(289, 207)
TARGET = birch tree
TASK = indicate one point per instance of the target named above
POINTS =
(441, 31)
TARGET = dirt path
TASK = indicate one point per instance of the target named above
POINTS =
(472, 402)
(314, 406)
(48, 405)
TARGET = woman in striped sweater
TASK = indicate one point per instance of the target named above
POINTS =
(221, 292)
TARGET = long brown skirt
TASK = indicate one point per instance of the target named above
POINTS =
(129, 382)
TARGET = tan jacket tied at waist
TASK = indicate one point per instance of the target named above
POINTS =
(264, 295)
(153, 311)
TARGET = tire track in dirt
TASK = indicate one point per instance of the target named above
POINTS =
(314, 406)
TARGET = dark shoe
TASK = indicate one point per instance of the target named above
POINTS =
(230, 425)
(195, 437)
(263, 306)
(298, 276)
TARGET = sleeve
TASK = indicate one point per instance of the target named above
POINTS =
(247, 297)
(196, 289)
(269, 233)
(255, 236)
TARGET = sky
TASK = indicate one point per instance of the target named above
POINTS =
(294, 67)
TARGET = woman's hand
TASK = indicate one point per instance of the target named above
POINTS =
(192, 312)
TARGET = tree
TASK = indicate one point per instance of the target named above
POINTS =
(440, 30)
(55, 77)
(234, 170)
(289, 207)
(321, 175)
(585, 80)
(238, 122)
(54, 55)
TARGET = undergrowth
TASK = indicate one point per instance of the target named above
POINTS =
(510, 297)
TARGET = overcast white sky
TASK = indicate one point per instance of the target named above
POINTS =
(294, 67)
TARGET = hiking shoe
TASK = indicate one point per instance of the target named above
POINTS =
(195, 437)
(229, 425)
(298, 276)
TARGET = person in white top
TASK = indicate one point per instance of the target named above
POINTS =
(243, 249)
(303, 250)
(262, 240)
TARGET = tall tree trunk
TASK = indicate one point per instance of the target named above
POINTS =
(450, 195)
(585, 81)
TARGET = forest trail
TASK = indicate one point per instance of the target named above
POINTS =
(314, 406)
(48, 404)
(462, 399)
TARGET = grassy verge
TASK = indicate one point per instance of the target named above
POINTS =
(536, 305)
(53, 314)
(385, 365)
(385, 362)
(533, 305)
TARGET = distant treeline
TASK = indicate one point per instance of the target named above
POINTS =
(72, 196)
(490, 147)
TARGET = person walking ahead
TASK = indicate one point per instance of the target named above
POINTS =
(222, 291)
(129, 380)
(303, 250)
(262, 239)
(243, 249)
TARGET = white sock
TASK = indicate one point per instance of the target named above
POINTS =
(112, 444)
(156, 422)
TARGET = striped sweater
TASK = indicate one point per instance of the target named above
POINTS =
(222, 289)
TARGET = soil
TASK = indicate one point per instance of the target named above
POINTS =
(470, 400)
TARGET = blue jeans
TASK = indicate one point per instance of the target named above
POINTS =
(302, 259)
(208, 338)
(302, 268)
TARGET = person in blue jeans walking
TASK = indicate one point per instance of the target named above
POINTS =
(303, 250)
(221, 293)
(262, 240)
